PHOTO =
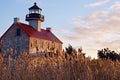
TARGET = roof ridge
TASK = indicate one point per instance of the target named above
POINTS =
(44, 34)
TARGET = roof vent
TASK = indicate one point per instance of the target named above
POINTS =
(48, 29)
(16, 20)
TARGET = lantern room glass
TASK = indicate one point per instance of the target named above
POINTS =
(37, 11)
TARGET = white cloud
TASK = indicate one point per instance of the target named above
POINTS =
(99, 3)
(115, 6)
(104, 24)
(97, 31)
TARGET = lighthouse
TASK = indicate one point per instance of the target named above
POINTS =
(35, 17)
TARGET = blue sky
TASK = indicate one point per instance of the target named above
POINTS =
(90, 24)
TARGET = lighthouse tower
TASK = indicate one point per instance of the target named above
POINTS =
(35, 17)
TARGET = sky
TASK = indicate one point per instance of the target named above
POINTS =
(88, 24)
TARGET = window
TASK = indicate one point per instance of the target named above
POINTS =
(42, 44)
(59, 47)
(35, 43)
(48, 45)
(18, 32)
(31, 45)
(0, 50)
(53, 44)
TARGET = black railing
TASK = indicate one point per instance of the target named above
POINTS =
(34, 16)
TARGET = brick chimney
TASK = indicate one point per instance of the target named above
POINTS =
(16, 19)
(49, 29)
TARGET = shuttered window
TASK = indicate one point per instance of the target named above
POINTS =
(18, 32)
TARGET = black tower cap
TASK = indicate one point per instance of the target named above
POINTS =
(34, 7)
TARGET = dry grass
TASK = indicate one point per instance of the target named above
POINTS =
(26, 67)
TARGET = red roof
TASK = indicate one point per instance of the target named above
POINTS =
(43, 34)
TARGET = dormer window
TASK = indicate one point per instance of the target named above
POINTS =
(18, 32)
